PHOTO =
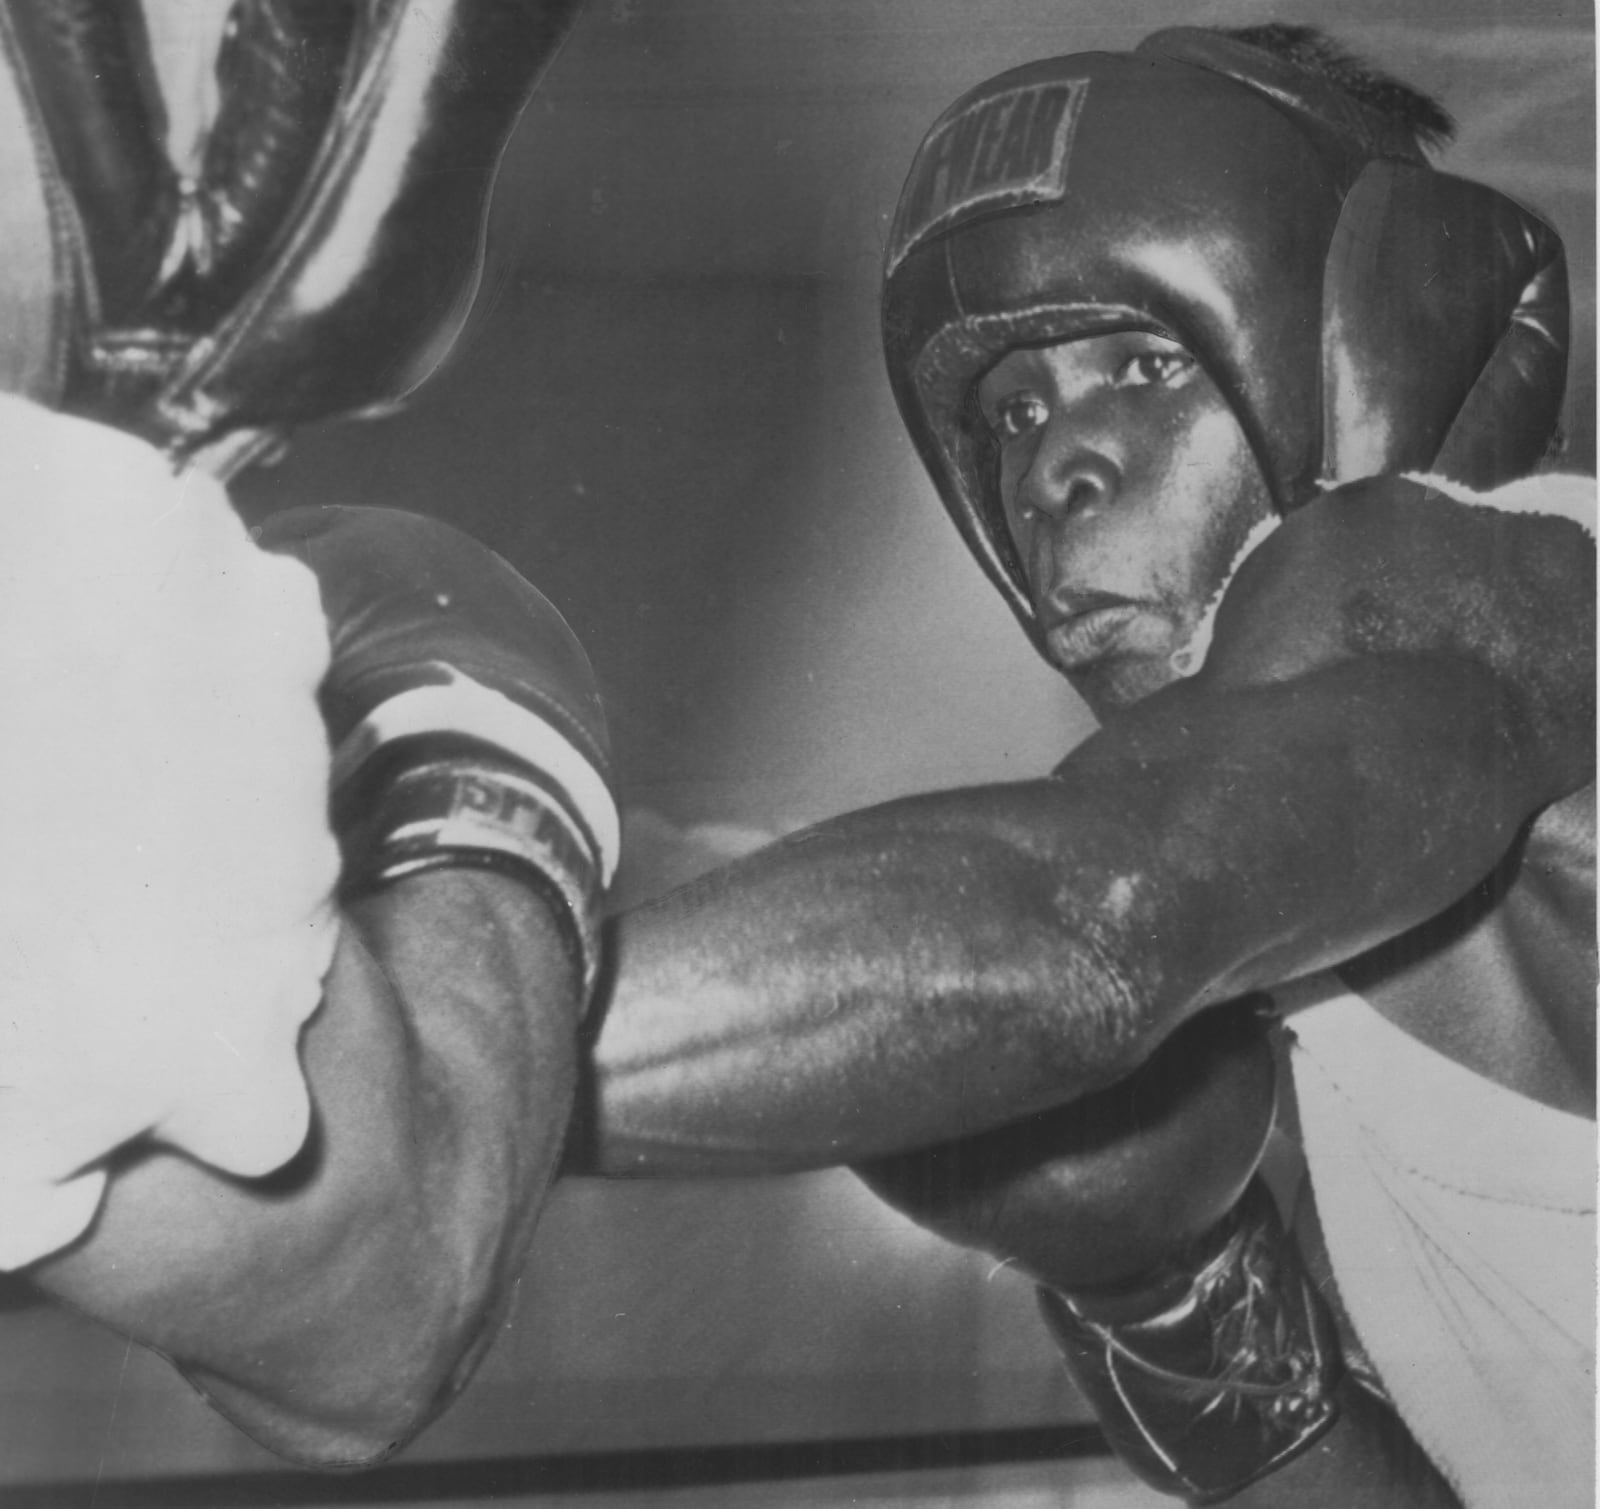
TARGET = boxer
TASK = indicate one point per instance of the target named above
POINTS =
(355, 765)
(1236, 399)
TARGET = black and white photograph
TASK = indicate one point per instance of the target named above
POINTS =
(797, 754)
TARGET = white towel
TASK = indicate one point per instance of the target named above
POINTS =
(165, 912)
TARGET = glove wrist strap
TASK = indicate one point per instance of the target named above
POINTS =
(477, 812)
(1214, 1371)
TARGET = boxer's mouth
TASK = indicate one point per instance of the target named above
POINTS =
(1088, 628)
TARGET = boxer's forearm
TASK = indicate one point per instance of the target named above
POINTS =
(332, 1309)
(940, 965)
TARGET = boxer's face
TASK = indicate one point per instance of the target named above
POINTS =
(1128, 489)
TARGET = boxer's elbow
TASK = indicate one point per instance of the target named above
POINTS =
(337, 1351)
(346, 1394)
(331, 1339)
(363, 1436)
(360, 1431)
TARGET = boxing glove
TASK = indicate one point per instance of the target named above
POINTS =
(1212, 1369)
(1173, 1292)
(1113, 1183)
(319, 259)
(157, 986)
(464, 721)
(166, 913)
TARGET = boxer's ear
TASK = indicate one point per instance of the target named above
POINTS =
(1444, 319)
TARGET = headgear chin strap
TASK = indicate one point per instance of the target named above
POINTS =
(1360, 312)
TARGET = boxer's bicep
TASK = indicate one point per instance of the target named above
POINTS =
(335, 1307)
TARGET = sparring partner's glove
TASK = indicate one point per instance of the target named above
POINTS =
(166, 910)
(318, 258)
(464, 719)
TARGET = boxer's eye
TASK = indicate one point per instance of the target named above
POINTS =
(1016, 414)
(1150, 368)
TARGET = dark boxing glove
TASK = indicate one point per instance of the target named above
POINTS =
(1175, 1295)
(1111, 1183)
(1213, 1369)
(465, 723)
(323, 259)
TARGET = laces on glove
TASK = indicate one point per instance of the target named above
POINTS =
(1214, 1371)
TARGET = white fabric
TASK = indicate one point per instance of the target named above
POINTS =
(165, 912)
(1460, 1220)
(1560, 494)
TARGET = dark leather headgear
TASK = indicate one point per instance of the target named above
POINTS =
(1360, 312)
(324, 259)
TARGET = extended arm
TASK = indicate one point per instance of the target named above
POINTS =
(335, 1308)
(1396, 686)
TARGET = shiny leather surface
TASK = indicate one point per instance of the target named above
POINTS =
(89, 79)
(324, 261)
(280, 72)
(1216, 1372)
(1444, 322)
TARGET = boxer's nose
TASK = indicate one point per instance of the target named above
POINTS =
(1069, 478)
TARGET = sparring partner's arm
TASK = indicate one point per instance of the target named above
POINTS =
(334, 1307)
(1396, 685)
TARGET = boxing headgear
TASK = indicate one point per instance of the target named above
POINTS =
(1360, 312)
(322, 257)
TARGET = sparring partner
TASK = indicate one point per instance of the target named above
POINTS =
(1237, 401)
(307, 832)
